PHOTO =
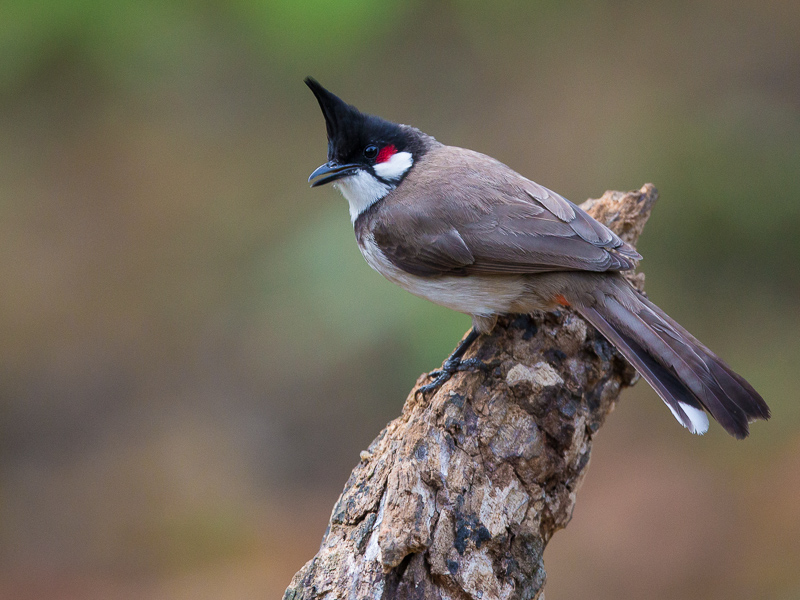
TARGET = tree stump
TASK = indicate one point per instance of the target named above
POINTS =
(458, 497)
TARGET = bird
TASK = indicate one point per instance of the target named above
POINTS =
(467, 232)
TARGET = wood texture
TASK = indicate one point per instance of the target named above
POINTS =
(458, 497)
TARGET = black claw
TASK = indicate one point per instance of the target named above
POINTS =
(436, 383)
(451, 367)
(454, 364)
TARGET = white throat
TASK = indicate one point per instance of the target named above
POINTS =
(362, 190)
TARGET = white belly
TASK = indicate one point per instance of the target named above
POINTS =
(474, 295)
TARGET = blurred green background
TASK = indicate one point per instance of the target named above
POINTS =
(194, 352)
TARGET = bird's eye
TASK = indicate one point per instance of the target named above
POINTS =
(371, 151)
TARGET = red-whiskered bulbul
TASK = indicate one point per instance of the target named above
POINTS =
(467, 232)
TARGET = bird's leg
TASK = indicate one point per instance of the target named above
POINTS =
(453, 364)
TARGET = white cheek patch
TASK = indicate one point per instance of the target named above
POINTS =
(395, 167)
(361, 191)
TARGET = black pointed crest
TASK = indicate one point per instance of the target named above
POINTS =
(340, 118)
(350, 130)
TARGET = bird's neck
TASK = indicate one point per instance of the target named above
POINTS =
(361, 191)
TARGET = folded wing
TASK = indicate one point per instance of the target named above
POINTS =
(507, 225)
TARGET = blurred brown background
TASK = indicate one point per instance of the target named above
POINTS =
(194, 352)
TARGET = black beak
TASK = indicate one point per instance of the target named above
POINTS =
(332, 171)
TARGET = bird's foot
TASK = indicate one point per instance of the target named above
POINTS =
(450, 367)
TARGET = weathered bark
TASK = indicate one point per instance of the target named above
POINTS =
(458, 496)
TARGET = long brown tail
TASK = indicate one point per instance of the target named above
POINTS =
(689, 377)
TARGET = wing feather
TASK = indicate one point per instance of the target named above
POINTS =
(505, 224)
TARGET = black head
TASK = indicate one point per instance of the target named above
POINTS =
(357, 140)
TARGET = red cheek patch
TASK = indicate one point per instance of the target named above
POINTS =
(386, 153)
